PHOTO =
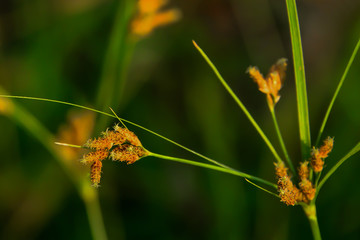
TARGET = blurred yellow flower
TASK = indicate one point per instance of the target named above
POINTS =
(6, 106)
(150, 17)
(76, 131)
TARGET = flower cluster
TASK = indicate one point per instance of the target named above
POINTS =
(150, 17)
(118, 145)
(273, 82)
(289, 193)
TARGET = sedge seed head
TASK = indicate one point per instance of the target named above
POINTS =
(95, 173)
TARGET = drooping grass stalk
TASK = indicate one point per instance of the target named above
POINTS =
(127, 121)
(240, 104)
(337, 165)
(300, 81)
(282, 144)
(337, 91)
(39, 132)
(217, 168)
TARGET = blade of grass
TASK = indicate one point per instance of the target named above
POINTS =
(213, 167)
(240, 104)
(337, 91)
(300, 81)
(337, 165)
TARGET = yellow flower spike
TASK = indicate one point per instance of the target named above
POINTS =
(273, 82)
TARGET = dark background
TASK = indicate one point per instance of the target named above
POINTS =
(56, 49)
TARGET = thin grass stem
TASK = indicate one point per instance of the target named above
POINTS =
(239, 103)
(300, 81)
(261, 188)
(282, 144)
(216, 168)
(124, 120)
(351, 60)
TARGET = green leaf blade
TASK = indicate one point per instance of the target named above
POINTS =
(300, 80)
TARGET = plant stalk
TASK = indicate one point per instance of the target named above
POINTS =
(310, 211)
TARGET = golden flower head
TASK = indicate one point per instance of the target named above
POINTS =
(151, 16)
(119, 144)
(272, 84)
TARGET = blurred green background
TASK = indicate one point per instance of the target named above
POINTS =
(63, 49)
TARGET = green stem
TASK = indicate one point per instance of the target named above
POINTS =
(282, 144)
(337, 91)
(216, 168)
(300, 81)
(93, 210)
(239, 103)
(310, 211)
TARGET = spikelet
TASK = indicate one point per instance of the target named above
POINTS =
(91, 157)
(307, 189)
(318, 155)
(95, 173)
(303, 170)
(280, 169)
(288, 192)
(326, 148)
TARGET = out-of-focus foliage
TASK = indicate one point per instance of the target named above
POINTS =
(56, 49)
